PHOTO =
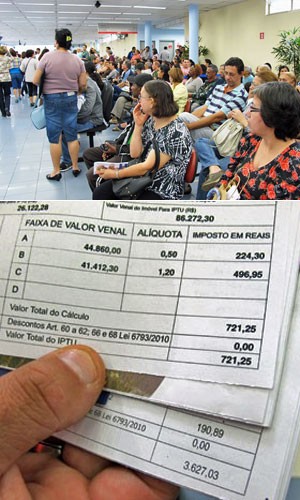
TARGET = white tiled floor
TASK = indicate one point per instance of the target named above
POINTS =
(25, 161)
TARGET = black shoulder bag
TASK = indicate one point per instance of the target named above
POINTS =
(130, 188)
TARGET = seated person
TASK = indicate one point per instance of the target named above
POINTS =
(173, 140)
(90, 114)
(194, 82)
(148, 67)
(125, 101)
(113, 151)
(289, 77)
(248, 75)
(211, 162)
(121, 83)
(223, 99)
(163, 72)
(200, 96)
(118, 150)
(179, 90)
(155, 69)
(139, 68)
(185, 66)
(267, 163)
(113, 71)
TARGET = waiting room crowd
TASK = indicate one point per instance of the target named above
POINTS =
(164, 110)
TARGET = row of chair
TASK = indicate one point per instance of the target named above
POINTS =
(107, 99)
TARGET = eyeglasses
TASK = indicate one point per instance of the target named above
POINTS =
(253, 109)
(144, 97)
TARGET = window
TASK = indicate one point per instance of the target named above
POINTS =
(276, 6)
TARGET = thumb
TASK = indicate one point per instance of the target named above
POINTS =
(46, 396)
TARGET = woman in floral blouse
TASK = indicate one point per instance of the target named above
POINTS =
(267, 163)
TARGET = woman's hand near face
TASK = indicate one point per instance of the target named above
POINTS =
(138, 115)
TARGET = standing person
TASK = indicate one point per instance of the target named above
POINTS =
(28, 67)
(24, 89)
(64, 75)
(130, 53)
(85, 56)
(5, 82)
(16, 74)
(146, 53)
(109, 54)
(164, 56)
(90, 114)
(44, 51)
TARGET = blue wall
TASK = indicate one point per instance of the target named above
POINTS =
(162, 34)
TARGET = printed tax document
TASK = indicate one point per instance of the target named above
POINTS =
(189, 291)
(219, 457)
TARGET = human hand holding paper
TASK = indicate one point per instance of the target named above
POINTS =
(42, 398)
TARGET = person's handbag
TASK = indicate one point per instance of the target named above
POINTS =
(38, 115)
(227, 137)
(130, 188)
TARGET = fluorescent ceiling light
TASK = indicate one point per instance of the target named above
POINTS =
(70, 12)
(116, 6)
(33, 3)
(119, 22)
(137, 14)
(72, 5)
(40, 12)
(107, 14)
(147, 7)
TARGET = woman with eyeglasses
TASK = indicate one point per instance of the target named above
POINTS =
(206, 149)
(267, 163)
(155, 118)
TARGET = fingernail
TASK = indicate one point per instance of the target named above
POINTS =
(81, 363)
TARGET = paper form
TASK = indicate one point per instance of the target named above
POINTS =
(218, 457)
(185, 290)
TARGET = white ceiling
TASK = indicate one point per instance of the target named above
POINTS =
(33, 22)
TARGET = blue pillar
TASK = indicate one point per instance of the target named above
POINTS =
(148, 35)
(193, 31)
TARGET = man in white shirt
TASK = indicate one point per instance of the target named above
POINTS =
(164, 56)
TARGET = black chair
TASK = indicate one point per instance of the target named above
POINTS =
(107, 101)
